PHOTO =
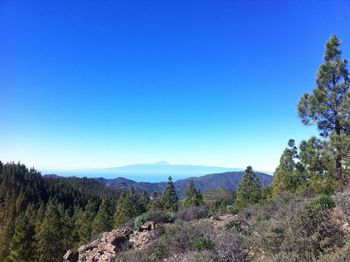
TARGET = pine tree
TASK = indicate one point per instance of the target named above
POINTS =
(289, 174)
(249, 191)
(154, 203)
(103, 219)
(143, 202)
(68, 227)
(329, 105)
(192, 196)
(169, 199)
(22, 243)
(84, 221)
(49, 238)
(7, 230)
(127, 206)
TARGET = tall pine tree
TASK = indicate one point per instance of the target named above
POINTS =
(329, 104)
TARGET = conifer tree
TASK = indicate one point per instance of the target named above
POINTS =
(143, 202)
(289, 174)
(103, 219)
(127, 206)
(7, 230)
(154, 203)
(169, 199)
(249, 191)
(192, 197)
(49, 238)
(22, 243)
(329, 104)
(84, 220)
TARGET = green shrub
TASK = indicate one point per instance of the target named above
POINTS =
(232, 209)
(139, 221)
(322, 201)
(298, 230)
(155, 216)
(237, 225)
(202, 243)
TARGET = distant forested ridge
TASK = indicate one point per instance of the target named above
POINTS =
(227, 180)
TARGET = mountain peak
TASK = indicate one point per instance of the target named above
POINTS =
(162, 163)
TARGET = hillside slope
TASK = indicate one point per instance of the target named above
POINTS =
(227, 180)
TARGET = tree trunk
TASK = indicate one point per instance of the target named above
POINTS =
(338, 160)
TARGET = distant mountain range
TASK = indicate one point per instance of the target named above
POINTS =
(154, 177)
(227, 180)
(147, 172)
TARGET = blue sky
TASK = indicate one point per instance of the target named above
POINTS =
(109, 83)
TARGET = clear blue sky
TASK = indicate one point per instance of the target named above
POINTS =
(107, 83)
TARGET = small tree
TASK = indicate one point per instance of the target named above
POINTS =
(169, 199)
(249, 191)
(143, 202)
(154, 203)
(193, 197)
(289, 173)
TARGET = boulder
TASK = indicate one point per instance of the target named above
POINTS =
(148, 225)
(116, 238)
(345, 228)
(71, 256)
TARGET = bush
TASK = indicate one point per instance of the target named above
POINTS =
(322, 201)
(132, 256)
(341, 255)
(232, 209)
(192, 213)
(237, 225)
(230, 247)
(199, 256)
(139, 221)
(202, 243)
(155, 216)
(298, 231)
(178, 239)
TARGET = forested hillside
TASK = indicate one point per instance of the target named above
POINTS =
(227, 180)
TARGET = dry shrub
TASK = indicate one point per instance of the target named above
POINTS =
(192, 213)
(230, 247)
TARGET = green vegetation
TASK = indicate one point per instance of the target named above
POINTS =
(169, 199)
(192, 196)
(249, 191)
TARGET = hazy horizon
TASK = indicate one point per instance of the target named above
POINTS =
(145, 172)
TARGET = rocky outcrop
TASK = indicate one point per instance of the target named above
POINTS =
(103, 249)
(144, 236)
(107, 247)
